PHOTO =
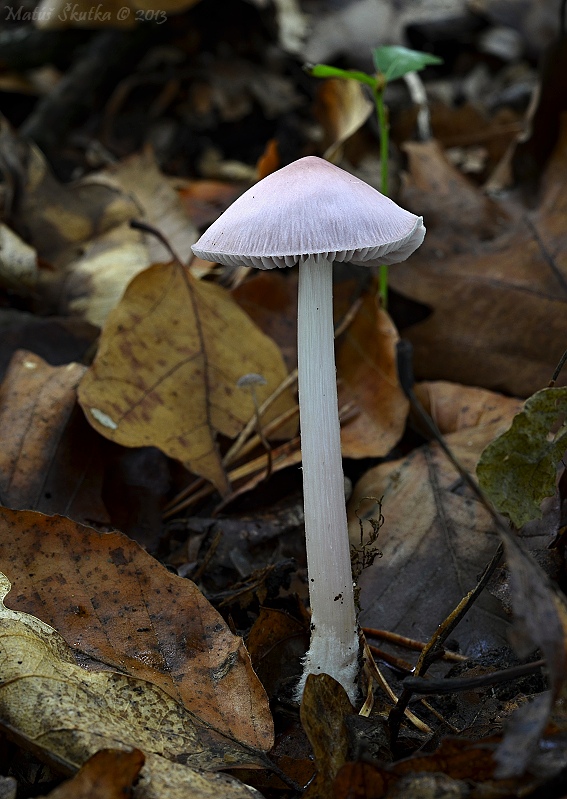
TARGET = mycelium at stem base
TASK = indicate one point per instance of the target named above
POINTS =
(334, 636)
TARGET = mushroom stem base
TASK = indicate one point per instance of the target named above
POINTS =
(328, 655)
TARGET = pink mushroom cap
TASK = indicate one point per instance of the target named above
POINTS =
(311, 208)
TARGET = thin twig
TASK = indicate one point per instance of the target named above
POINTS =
(419, 685)
(410, 643)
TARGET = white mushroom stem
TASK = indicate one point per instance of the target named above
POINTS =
(334, 637)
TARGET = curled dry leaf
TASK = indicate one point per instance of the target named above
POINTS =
(368, 379)
(341, 108)
(112, 600)
(157, 202)
(436, 539)
(50, 457)
(72, 713)
(166, 370)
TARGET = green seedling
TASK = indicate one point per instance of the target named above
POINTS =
(391, 63)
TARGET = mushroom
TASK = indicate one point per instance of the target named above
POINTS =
(312, 213)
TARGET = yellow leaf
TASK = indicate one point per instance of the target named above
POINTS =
(166, 371)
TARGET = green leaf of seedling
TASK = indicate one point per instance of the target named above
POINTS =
(325, 71)
(518, 469)
(393, 61)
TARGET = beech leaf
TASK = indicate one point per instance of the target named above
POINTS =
(168, 363)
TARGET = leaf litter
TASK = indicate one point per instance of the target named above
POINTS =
(74, 713)
(152, 667)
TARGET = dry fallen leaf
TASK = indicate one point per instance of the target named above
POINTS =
(97, 278)
(72, 713)
(112, 600)
(160, 206)
(166, 370)
(341, 108)
(539, 622)
(108, 774)
(436, 538)
(269, 297)
(324, 707)
(19, 269)
(81, 232)
(54, 218)
(366, 368)
(50, 457)
(484, 286)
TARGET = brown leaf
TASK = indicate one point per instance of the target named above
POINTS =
(166, 370)
(50, 457)
(454, 407)
(539, 621)
(359, 781)
(58, 340)
(205, 200)
(366, 368)
(112, 600)
(456, 213)
(323, 710)
(52, 217)
(276, 643)
(270, 299)
(140, 178)
(435, 541)
(341, 108)
(108, 774)
(66, 714)
(484, 296)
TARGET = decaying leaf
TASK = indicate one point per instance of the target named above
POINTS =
(158, 204)
(270, 299)
(324, 707)
(73, 713)
(341, 109)
(166, 370)
(539, 621)
(81, 231)
(519, 468)
(113, 601)
(54, 218)
(108, 774)
(18, 262)
(480, 278)
(97, 278)
(50, 457)
(368, 379)
(436, 538)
